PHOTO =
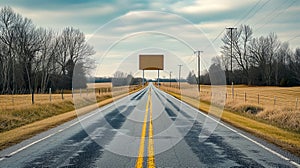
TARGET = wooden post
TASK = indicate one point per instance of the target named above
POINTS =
(12, 100)
(32, 96)
(62, 94)
(296, 103)
(72, 92)
(232, 91)
(12, 97)
(245, 97)
(50, 97)
(258, 98)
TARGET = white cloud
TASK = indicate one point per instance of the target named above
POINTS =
(208, 6)
(62, 15)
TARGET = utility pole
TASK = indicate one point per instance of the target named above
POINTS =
(170, 77)
(179, 74)
(231, 77)
(198, 55)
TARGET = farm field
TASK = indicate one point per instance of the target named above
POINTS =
(278, 106)
(285, 97)
(18, 110)
(18, 101)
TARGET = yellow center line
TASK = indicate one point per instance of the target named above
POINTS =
(150, 158)
(151, 162)
(139, 162)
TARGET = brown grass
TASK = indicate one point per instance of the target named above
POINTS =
(22, 112)
(99, 85)
(283, 114)
(285, 139)
(45, 116)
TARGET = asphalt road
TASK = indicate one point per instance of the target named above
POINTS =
(147, 129)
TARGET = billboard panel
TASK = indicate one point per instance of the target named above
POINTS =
(151, 62)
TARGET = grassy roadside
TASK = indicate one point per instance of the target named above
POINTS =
(28, 130)
(287, 140)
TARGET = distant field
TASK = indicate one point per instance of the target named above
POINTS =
(259, 95)
(19, 101)
(18, 110)
(274, 105)
(99, 85)
(8, 102)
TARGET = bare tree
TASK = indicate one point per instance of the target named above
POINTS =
(263, 50)
(34, 58)
(295, 66)
(8, 22)
(73, 49)
(240, 41)
(48, 53)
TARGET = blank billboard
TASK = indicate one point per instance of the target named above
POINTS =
(151, 62)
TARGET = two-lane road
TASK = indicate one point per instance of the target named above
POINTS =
(147, 129)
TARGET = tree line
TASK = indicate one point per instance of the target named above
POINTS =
(34, 58)
(263, 60)
(123, 79)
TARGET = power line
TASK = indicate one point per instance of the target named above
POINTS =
(263, 5)
(271, 14)
(247, 14)
(293, 38)
(275, 16)
(192, 60)
(215, 39)
(218, 35)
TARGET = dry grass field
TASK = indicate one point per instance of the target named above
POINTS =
(99, 85)
(35, 119)
(274, 105)
(18, 110)
(286, 139)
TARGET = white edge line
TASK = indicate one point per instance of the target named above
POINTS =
(244, 136)
(50, 135)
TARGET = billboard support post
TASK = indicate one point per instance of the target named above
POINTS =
(143, 78)
(158, 78)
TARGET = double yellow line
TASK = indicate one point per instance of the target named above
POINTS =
(150, 158)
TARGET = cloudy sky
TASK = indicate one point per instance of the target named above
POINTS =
(119, 30)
